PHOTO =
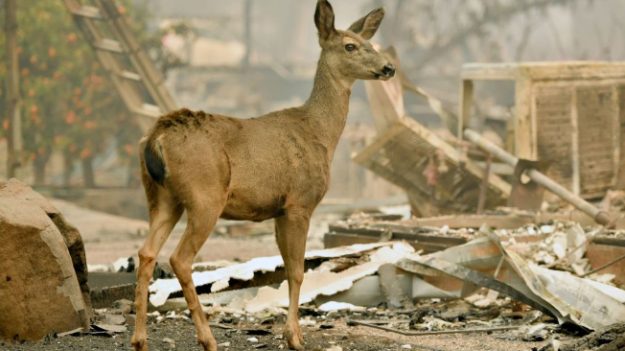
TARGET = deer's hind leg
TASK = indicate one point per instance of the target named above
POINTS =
(164, 213)
(202, 216)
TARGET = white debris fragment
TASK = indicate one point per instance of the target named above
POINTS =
(252, 340)
(555, 343)
(403, 210)
(307, 322)
(406, 347)
(605, 278)
(121, 264)
(170, 342)
(339, 306)
(154, 314)
(328, 283)
(537, 332)
(99, 268)
(559, 245)
(543, 257)
(220, 278)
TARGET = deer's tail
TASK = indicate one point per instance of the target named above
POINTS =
(153, 160)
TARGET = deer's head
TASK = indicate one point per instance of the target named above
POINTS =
(349, 53)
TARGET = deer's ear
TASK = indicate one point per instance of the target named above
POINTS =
(324, 20)
(368, 25)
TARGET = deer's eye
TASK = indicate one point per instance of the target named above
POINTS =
(350, 47)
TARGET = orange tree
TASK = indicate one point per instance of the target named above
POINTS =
(68, 105)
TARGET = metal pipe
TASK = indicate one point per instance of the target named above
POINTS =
(598, 215)
(611, 263)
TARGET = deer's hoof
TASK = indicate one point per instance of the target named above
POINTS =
(294, 338)
(208, 343)
(139, 343)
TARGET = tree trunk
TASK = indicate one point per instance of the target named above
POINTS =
(12, 112)
(39, 168)
(68, 168)
(87, 172)
(133, 174)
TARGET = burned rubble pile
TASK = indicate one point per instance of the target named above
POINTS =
(535, 282)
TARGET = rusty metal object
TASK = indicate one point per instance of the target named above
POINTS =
(604, 252)
(599, 216)
(526, 195)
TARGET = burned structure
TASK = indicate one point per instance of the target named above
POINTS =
(568, 116)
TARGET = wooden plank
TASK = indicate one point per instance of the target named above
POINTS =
(596, 112)
(109, 45)
(525, 144)
(620, 183)
(333, 239)
(552, 105)
(466, 102)
(574, 153)
(474, 221)
(616, 135)
(386, 101)
(378, 143)
(399, 232)
(148, 110)
(91, 12)
(129, 75)
(553, 70)
(490, 71)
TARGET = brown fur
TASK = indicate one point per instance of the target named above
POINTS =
(273, 166)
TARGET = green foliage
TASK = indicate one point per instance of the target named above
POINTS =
(68, 104)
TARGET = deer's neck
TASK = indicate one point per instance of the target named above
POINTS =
(328, 105)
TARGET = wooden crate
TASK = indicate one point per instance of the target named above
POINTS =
(405, 151)
(570, 114)
(403, 154)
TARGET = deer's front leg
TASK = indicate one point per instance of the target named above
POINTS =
(291, 233)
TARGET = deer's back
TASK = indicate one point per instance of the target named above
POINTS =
(264, 164)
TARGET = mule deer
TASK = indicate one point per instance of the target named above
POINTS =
(273, 166)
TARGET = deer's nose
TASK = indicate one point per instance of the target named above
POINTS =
(388, 70)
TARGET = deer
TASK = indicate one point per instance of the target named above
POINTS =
(273, 166)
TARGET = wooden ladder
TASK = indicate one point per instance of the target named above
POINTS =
(137, 80)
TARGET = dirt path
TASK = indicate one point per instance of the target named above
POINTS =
(348, 338)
